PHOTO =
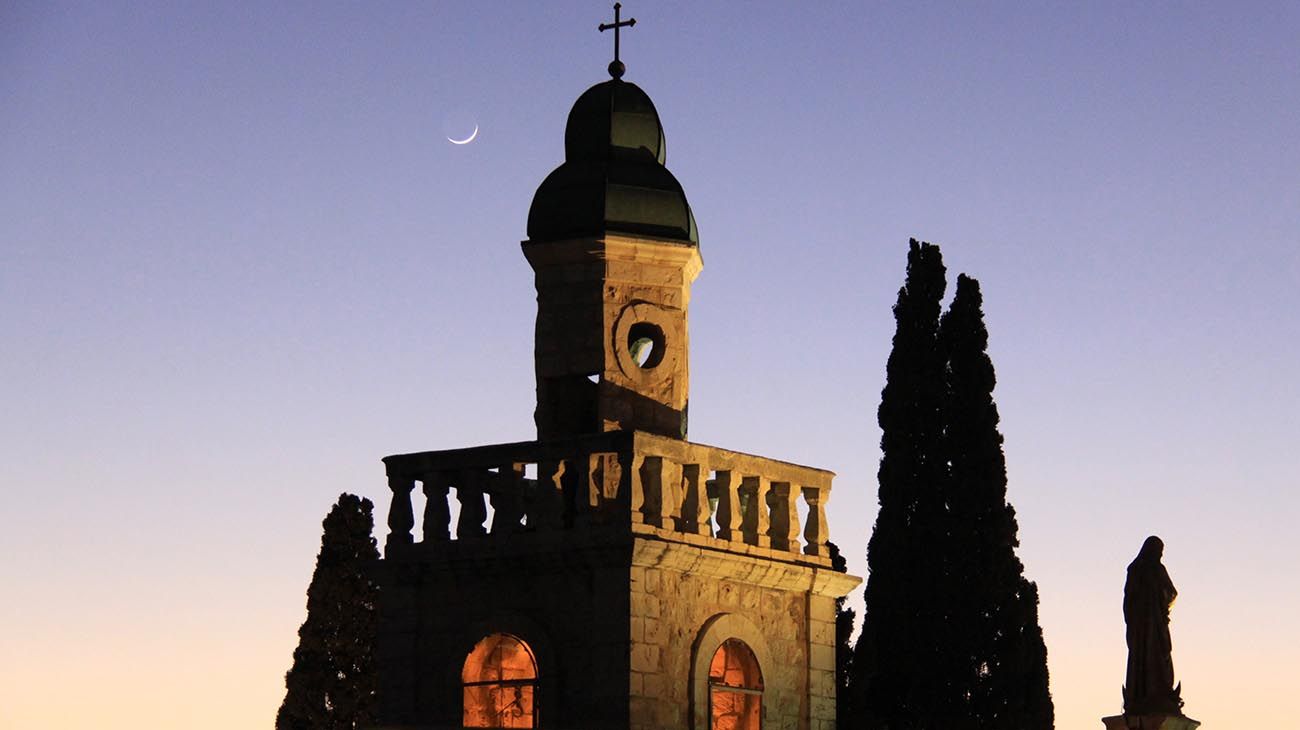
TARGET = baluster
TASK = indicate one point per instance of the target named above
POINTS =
(652, 490)
(595, 484)
(528, 497)
(695, 501)
(755, 523)
(728, 504)
(815, 531)
(591, 493)
(638, 492)
(581, 505)
(611, 478)
(437, 516)
(469, 492)
(548, 512)
(670, 495)
(507, 499)
(400, 516)
(785, 517)
(571, 473)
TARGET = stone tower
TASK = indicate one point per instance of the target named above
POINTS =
(613, 243)
(609, 574)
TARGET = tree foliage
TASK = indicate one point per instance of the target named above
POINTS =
(994, 608)
(331, 685)
(893, 677)
(950, 634)
(844, 617)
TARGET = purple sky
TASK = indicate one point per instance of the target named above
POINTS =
(239, 263)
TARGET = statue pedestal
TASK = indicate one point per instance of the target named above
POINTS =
(1152, 721)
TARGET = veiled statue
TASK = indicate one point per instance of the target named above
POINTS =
(1148, 596)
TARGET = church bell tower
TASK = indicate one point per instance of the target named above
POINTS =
(614, 247)
(609, 574)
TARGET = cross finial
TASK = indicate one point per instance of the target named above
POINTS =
(616, 67)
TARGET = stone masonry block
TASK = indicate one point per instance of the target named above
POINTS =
(646, 605)
(787, 722)
(822, 708)
(822, 657)
(822, 608)
(645, 658)
(642, 710)
(668, 714)
(653, 631)
(822, 632)
(653, 685)
(821, 683)
(786, 650)
(728, 594)
(653, 580)
(705, 590)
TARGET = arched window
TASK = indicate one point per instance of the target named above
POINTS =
(500, 680)
(735, 688)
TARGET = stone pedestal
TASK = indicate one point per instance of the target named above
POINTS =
(1153, 721)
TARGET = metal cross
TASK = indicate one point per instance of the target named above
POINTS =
(616, 68)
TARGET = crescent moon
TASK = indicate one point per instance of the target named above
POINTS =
(468, 139)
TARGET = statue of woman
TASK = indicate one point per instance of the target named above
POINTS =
(1148, 596)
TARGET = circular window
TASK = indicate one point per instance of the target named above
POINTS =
(645, 342)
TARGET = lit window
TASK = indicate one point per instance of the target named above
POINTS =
(500, 680)
(735, 688)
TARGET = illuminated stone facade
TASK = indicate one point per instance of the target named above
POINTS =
(597, 298)
(609, 574)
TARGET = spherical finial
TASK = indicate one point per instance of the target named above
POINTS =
(616, 69)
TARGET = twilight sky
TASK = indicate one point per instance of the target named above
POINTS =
(239, 263)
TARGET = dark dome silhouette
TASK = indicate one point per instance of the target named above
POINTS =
(613, 178)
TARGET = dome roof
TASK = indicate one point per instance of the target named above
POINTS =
(613, 177)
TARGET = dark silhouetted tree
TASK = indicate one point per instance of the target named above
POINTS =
(950, 637)
(844, 704)
(843, 647)
(896, 682)
(331, 685)
(996, 643)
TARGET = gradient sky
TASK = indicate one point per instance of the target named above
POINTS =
(239, 263)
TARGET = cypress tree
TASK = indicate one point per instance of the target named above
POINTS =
(895, 682)
(844, 704)
(843, 646)
(950, 639)
(997, 652)
(331, 685)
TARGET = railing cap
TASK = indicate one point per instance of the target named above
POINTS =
(416, 464)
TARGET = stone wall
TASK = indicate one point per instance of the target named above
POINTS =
(622, 623)
(568, 602)
(685, 600)
(593, 296)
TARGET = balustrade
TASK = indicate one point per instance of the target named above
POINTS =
(670, 487)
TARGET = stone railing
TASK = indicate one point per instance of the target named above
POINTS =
(621, 479)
